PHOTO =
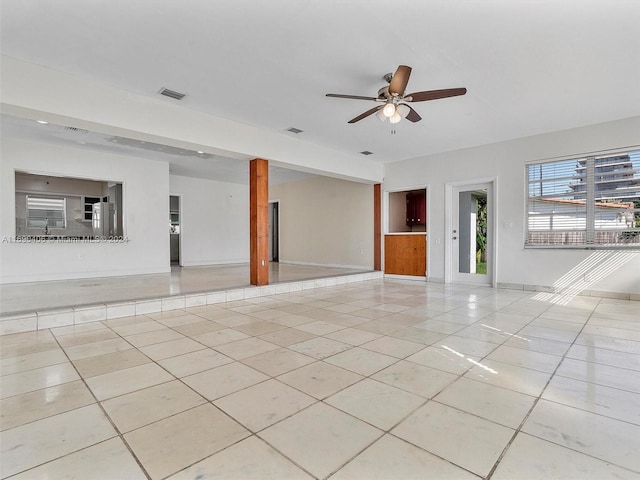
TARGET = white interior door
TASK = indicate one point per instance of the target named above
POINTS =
(471, 235)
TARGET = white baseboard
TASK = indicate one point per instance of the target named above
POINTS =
(405, 277)
(559, 292)
(213, 263)
(435, 279)
(329, 265)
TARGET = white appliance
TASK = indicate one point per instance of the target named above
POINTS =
(100, 219)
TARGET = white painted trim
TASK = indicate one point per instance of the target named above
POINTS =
(48, 173)
(448, 226)
(385, 207)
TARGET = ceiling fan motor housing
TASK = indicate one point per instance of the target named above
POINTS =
(383, 93)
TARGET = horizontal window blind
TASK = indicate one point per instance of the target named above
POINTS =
(43, 212)
(585, 201)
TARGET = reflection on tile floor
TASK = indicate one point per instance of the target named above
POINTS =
(21, 297)
(384, 379)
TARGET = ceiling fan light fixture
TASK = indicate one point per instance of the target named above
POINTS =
(396, 117)
(380, 115)
(389, 109)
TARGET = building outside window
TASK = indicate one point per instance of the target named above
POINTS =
(584, 202)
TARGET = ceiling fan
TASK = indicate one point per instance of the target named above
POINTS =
(393, 98)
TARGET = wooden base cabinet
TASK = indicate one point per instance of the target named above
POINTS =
(405, 255)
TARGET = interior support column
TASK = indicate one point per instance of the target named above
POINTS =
(259, 221)
(377, 230)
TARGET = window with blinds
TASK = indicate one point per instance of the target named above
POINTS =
(591, 201)
(46, 212)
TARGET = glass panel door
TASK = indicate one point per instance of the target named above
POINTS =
(470, 237)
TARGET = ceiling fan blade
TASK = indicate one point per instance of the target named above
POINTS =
(354, 97)
(399, 81)
(434, 94)
(413, 116)
(366, 114)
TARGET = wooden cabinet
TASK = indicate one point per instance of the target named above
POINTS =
(416, 208)
(405, 255)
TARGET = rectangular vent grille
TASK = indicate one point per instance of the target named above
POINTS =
(76, 130)
(294, 130)
(366, 152)
(172, 94)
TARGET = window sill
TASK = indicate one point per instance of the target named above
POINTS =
(632, 246)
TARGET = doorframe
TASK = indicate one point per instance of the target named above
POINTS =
(449, 249)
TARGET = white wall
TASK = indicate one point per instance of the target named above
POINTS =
(146, 206)
(505, 161)
(214, 222)
(325, 221)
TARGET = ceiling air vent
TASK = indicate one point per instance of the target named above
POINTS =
(172, 94)
(366, 152)
(294, 130)
(76, 130)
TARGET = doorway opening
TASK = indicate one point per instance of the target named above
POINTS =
(274, 231)
(472, 234)
(174, 230)
(405, 238)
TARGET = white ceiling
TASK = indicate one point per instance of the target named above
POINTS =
(530, 67)
(188, 163)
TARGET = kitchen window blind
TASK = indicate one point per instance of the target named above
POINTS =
(46, 212)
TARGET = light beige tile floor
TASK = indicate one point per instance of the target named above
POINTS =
(386, 379)
(20, 297)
